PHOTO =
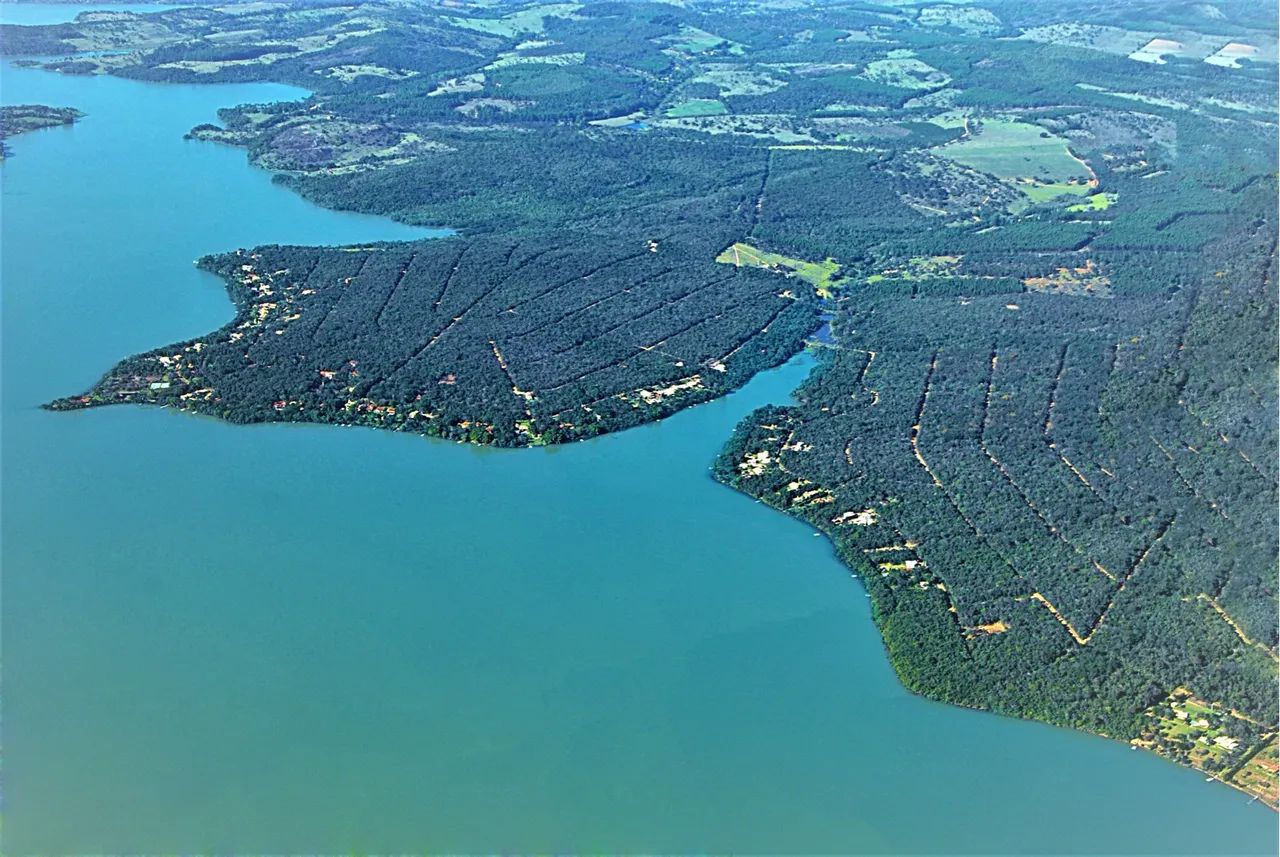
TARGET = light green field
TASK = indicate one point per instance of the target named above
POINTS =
(1045, 191)
(531, 20)
(513, 59)
(1018, 152)
(696, 107)
(1096, 202)
(820, 275)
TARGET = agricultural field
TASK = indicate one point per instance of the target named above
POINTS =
(1037, 162)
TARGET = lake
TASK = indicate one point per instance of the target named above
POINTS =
(307, 639)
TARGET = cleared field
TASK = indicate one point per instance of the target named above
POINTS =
(1137, 96)
(905, 72)
(733, 80)
(974, 22)
(764, 126)
(531, 20)
(1095, 202)
(1045, 191)
(348, 73)
(1112, 40)
(1156, 50)
(1038, 162)
(513, 59)
(1229, 55)
(694, 41)
(696, 107)
(820, 275)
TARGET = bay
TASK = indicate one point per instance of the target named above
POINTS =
(287, 639)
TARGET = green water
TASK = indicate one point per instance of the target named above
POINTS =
(293, 639)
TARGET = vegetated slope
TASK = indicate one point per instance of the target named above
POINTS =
(1044, 427)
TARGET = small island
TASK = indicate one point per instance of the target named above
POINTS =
(20, 118)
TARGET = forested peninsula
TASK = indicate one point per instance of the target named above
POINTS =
(1033, 247)
(21, 118)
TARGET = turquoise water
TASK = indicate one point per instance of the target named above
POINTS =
(289, 639)
(57, 13)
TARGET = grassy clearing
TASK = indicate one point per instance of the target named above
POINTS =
(1036, 162)
(513, 59)
(733, 80)
(1095, 202)
(762, 126)
(348, 73)
(1137, 96)
(696, 107)
(531, 20)
(1045, 191)
(820, 275)
(973, 22)
(1112, 40)
(694, 41)
(905, 73)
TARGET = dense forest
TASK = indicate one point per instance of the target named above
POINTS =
(1042, 430)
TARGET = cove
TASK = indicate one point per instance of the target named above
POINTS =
(291, 639)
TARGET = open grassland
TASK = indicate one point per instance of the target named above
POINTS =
(1095, 202)
(531, 20)
(905, 72)
(733, 80)
(1044, 191)
(1038, 163)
